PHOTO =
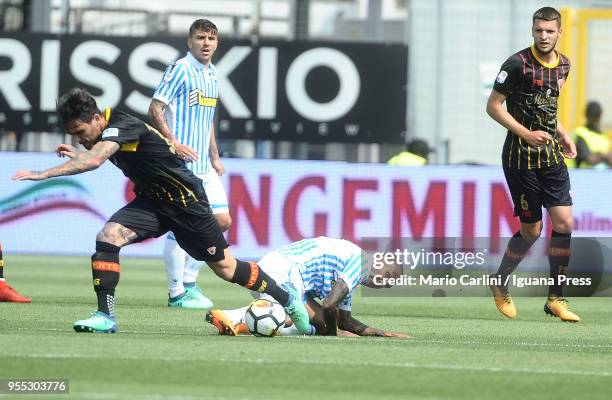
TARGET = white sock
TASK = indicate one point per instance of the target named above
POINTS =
(174, 258)
(192, 269)
(237, 314)
(289, 331)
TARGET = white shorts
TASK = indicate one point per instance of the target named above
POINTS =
(214, 191)
(282, 271)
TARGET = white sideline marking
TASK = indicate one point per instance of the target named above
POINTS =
(105, 395)
(333, 363)
(467, 342)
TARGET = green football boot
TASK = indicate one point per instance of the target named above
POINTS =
(187, 300)
(197, 293)
(99, 322)
(297, 311)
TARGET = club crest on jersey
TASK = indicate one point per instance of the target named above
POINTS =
(501, 77)
(211, 250)
(110, 132)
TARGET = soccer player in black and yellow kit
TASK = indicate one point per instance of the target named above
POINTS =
(168, 197)
(529, 83)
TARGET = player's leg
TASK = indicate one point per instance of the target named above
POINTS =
(523, 186)
(559, 206)
(198, 233)
(7, 293)
(174, 260)
(134, 222)
(220, 208)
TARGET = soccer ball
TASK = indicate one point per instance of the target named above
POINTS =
(265, 317)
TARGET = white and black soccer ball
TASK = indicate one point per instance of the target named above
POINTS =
(265, 317)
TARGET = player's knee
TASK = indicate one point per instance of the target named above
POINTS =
(565, 225)
(531, 231)
(224, 221)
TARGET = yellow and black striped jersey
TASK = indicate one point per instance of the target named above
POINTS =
(150, 161)
(531, 87)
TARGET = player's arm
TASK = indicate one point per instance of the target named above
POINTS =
(156, 114)
(330, 306)
(569, 147)
(79, 162)
(213, 152)
(347, 322)
(497, 111)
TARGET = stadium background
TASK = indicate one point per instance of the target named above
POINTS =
(342, 81)
(299, 163)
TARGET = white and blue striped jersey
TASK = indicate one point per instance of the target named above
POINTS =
(322, 261)
(190, 90)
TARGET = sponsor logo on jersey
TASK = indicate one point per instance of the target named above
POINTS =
(197, 98)
(110, 132)
(501, 77)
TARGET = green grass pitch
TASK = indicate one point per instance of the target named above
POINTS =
(463, 348)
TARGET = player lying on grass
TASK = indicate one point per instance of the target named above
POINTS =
(324, 269)
(7, 293)
(168, 197)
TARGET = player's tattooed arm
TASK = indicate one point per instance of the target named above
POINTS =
(330, 306)
(80, 162)
(116, 234)
(156, 114)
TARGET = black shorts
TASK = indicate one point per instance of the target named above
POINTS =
(532, 189)
(194, 227)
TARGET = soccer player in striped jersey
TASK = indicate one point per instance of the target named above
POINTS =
(529, 83)
(324, 269)
(183, 108)
(7, 293)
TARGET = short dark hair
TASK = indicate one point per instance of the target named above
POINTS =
(202, 24)
(547, 14)
(593, 109)
(75, 104)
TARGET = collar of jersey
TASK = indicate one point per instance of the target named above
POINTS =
(544, 63)
(193, 61)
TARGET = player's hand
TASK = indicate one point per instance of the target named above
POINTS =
(569, 147)
(397, 335)
(218, 166)
(537, 138)
(185, 152)
(66, 150)
(26, 175)
(341, 333)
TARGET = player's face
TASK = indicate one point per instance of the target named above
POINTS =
(545, 35)
(388, 271)
(202, 45)
(87, 133)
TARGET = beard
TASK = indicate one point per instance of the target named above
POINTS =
(550, 50)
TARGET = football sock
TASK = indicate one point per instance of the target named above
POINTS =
(174, 258)
(192, 269)
(558, 256)
(237, 314)
(289, 331)
(516, 250)
(1, 265)
(249, 275)
(106, 269)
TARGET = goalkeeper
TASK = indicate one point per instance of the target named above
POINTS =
(323, 269)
